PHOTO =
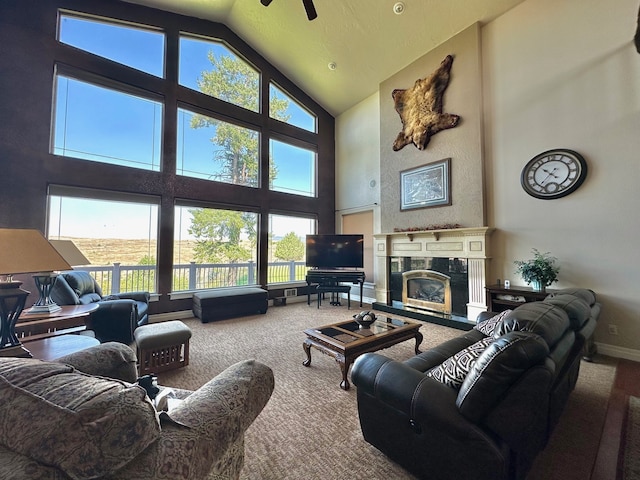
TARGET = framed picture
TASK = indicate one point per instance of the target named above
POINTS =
(426, 186)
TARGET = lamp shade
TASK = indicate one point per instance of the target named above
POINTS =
(72, 254)
(28, 251)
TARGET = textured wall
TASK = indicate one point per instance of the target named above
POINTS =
(463, 144)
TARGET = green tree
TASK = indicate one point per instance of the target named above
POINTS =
(218, 232)
(233, 80)
(290, 248)
(218, 236)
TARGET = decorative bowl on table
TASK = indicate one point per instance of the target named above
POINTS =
(365, 318)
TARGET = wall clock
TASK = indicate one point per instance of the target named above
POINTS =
(553, 174)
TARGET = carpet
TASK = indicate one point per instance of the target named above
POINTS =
(631, 442)
(310, 429)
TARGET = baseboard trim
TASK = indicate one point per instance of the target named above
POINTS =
(164, 317)
(618, 352)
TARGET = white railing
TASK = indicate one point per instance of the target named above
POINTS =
(118, 278)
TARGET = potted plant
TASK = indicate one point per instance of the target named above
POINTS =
(540, 271)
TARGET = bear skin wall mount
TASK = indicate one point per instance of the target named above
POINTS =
(636, 39)
(420, 108)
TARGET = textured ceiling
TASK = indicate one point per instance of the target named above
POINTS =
(366, 40)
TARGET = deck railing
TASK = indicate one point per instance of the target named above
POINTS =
(119, 278)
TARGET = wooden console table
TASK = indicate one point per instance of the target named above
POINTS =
(500, 298)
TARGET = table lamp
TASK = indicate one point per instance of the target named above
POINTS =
(25, 251)
(70, 252)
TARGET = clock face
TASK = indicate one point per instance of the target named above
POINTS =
(553, 174)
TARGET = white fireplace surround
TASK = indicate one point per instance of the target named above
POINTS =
(469, 243)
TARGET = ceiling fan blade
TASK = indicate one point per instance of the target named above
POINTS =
(310, 9)
(266, 2)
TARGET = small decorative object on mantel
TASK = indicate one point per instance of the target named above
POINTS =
(540, 271)
(420, 108)
(365, 318)
(442, 226)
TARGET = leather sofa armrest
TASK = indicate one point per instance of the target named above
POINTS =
(114, 321)
(137, 296)
(111, 359)
(403, 388)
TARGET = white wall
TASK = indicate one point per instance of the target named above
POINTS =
(357, 148)
(555, 75)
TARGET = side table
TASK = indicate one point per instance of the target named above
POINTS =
(56, 347)
(500, 298)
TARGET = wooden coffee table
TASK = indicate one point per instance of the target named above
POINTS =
(345, 341)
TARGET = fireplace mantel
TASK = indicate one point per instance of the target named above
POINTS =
(470, 243)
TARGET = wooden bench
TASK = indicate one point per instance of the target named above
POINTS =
(229, 302)
(335, 290)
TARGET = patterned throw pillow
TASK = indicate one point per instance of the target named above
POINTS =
(454, 369)
(489, 325)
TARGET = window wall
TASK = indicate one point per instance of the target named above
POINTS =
(214, 248)
(121, 248)
(129, 105)
(287, 251)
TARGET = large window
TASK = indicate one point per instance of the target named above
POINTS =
(284, 108)
(96, 123)
(134, 46)
(217, 150)
(287, 236)
(177, 135)
(214, 248)
(117, 233)
(211, 67)
(294, 169)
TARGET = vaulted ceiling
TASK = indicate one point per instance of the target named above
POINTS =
(365, 40)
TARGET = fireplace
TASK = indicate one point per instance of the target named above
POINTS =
(462, 254)
(427, 289)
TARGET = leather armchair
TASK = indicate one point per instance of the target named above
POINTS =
(117, 316)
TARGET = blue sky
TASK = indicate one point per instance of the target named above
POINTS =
(90, 122)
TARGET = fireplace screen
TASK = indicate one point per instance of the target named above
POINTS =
(427, 289)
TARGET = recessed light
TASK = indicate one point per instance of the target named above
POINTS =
(398, 8)
(332, 65)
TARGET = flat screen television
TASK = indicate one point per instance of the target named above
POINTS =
(335, 251)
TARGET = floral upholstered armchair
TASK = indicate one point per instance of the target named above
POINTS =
(82, 417)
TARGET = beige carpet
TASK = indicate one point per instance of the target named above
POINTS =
(310, 427)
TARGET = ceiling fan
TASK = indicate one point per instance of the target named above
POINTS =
(308, 7)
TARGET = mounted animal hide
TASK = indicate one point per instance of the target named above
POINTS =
(636, 39)
(420, 108)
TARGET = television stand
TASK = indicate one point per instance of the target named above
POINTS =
(328, 277)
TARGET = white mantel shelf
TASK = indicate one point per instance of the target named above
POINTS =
(470, 243)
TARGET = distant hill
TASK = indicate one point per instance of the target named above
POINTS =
(106, 251)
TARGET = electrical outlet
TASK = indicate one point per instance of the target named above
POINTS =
(613, 329)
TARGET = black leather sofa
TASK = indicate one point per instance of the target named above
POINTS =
(117, 315)
(492, 423)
